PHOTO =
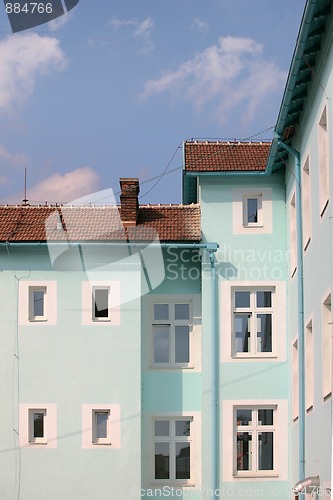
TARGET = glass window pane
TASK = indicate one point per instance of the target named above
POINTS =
(183, 427)
(39, 302)
(38, 425)
(161, 344)
(252, 210)
(244, 417)
(162, 459)
(264, 299)
(182, 344)
(101, 303)
(264, 333)
(162, 428)
(102, 425)
(182, 460)
(265, 417)
(265, 451)
(161, 312)
(242, 332)
(244, 451)
(182, 311)
(242, 299)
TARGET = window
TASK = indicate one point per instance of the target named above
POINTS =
(295, 380)
(309, 367)
(306, 203)
(171, 334)
(37, 303)
(173, 450)
(101, 427)
(327, 346)
(293, 235)
(101, 303)
(252, 210)
(254, 441)
(37, 426)
(253, 322)
(323, 163)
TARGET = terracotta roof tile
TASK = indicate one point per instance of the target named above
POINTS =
(225, 156)
(33, 223)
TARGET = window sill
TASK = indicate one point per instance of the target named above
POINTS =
(40, 319)
(254, 356)
(170, 484)
(162, 366)
(106, 320)
(252, 226)
(255, 475)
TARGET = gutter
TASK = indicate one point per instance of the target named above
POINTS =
(300, 299)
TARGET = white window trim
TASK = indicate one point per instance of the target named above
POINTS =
(32, 290)
(278, 326)
(26, 438)
(326, 329)
(96, 440)
(149, 450)
(280, 472)
(32, 439)
(88, 307)
(265, 221)
(309, 364)
(306, 203)
(172, 323)
(26, 289)
(323, 162)
(255, 429)
(259, 222)
(89, 440)
(253, 310)
(295, 380)
(97, 318)
(293, 233)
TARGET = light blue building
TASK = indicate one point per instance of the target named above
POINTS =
(182, 350)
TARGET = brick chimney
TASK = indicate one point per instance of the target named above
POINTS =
(129, 201)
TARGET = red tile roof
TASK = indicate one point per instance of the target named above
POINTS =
(49, 223)
(224, 156)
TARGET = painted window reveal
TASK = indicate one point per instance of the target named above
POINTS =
(37, 303)
(37, 426)
(252, 322)
(255, 436)
(327, 345)
(323, 162)
(101, 427)
(173, 450)
(101, 303)
(252, 210)
(171, 334)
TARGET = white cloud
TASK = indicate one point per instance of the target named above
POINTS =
(59, 22)
(233, 73)
(200, 25)
(64, 188)
(141, 30)
(23, 58)
(14, 159)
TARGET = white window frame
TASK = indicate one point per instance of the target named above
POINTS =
(95, 439)
(32, 290)
(98, 318)
(26, 425)
(89, 430)
(309, 365)
(246, 222)
(172, 323)
(293, 234)
(172, 439)
(32, 438)
(327, 346)
(88, 303)
(255, 429)
(323, 153)
(295, 380)
(306, 203)
(254, 311)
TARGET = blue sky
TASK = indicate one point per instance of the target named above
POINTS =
(113, 91)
